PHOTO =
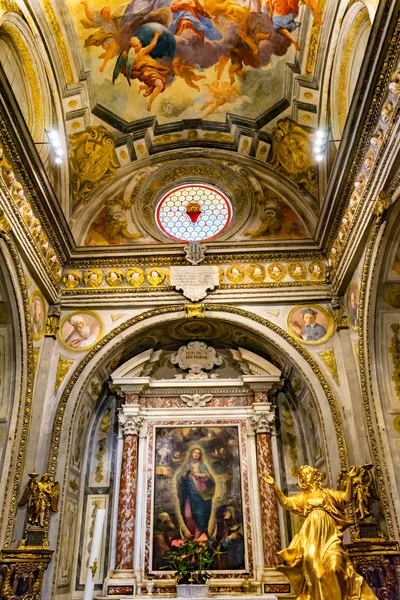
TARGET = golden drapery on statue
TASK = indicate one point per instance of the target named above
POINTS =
(316, 562)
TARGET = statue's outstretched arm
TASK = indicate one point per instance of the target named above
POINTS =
(291, 504)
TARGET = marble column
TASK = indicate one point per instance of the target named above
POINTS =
(130, 425)
(263, 425)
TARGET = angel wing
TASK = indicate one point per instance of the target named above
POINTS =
(55, 494)
(130, 59)
(27, 493)
(342, 479)
(119, 65)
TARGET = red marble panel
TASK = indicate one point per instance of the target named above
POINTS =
(127, 504)
(268, 503)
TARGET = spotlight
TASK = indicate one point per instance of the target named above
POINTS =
(58, 160)
(59, 151)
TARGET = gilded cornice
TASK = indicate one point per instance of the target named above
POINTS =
(214, 256)
(359, 179)
(10, 131)
(27, 216)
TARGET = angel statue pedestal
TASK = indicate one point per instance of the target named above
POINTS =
(35, 537)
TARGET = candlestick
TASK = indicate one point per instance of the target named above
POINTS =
(95, 550)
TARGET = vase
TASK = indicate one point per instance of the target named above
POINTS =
(150, 585)
(191, 590)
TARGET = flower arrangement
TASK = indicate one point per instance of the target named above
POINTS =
(190, 560)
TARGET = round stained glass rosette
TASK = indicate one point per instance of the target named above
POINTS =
(174, 213)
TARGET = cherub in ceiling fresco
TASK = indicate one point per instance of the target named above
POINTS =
(219, 93)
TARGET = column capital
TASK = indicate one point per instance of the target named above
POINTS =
(130, 424)
(263, 419)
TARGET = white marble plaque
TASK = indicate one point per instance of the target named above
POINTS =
(194, 281)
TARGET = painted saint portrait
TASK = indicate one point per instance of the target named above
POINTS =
(311, 324)
(37, 309)
(197, 492)
(353, 300)
(80, 330)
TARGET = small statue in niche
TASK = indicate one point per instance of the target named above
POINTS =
(362, 489)
(41, 496)
(316, 562)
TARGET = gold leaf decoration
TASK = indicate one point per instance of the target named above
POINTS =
(116, 317)
(394, 350)
(329, 359)
(63, 367)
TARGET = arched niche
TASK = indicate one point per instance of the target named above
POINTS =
(308, 389)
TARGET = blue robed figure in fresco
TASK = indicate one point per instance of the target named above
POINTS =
(196, 488)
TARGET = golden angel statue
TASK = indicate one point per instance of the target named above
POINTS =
(316, 562)
(40, 496)
(362, 489)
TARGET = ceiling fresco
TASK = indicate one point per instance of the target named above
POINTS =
(189, 59)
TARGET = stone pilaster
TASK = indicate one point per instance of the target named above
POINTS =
(130, 426)
(263, 422)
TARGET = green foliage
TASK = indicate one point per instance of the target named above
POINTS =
(190, 560)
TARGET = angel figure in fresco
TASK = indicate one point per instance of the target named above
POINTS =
(107, 34)
(190, 15)
(187, 71)
(196, 489)
(283, 14)
(138, 63)
(316, 562)
(219, 93)
(238, 14)
(41, 496)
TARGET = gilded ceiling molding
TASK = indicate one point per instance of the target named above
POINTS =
(19, 203)
(382, 117)
(10, 31)
(60, 40)
(14, 476)
(15, 160)
(364, 345)
(314, 39)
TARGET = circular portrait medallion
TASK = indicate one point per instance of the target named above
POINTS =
(80, 330)
(311, 324)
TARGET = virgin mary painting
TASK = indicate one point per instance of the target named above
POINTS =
(195, 488)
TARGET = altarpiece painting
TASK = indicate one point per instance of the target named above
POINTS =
(197, 491)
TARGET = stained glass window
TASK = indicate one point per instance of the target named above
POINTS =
(193, 213)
